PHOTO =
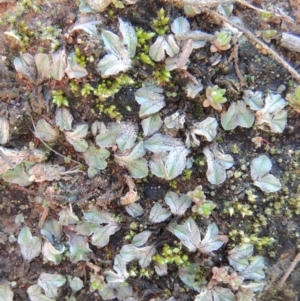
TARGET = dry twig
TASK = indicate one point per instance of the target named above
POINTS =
(289, 271)
(253, 38)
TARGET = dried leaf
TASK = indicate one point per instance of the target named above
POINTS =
(50, 283)
(17, 175)
(95, 157)
(10, 158)
(111, 64)
(193, 89)
(78, 246)
(101, 236)
(63, 119)
(150, 98)
(134, 210)
(87, 26)
(178, 205)
(161, 45)
(76, 137)
(237, 115)
(239, 256)
(35, 293)
(212, 241)
(133, 161)
(271, 117)
(76, 284)
(59, 64)
(45, 172)
(260, 168)
(25, 64)
(206, 128)
(158, 214)
(162, 143)
(151, 124)
(74, 70)
(45, 132)
(189, 234)
(253, 99)
(188, 274)
(99, 217)
(129, 36)
(42, 62)
(30, 245)
(175, 120)
(217, 163)
(141, 239)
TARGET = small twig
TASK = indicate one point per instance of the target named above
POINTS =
(48, 3)
(289, 271)
(252, 37)
(43, 217)
(235, 56)
(26, 190)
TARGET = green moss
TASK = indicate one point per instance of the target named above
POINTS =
(59, 99)
(143, 45)
(161, 23)
(87, 89)
(187, 174)
(162, 76)
(80, 59)
(109, 87)
(171, 255)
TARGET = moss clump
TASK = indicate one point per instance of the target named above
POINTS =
(143, 46)
(172, 255)
(59, 99)
(161, 23)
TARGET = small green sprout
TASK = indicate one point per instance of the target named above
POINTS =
(145, 58)
(294, 99)
(110, 87)
(80, 59)
(171, 255)
(173, 184)
(75, 88)
(160, 24)
(187, 175)
(143, 36)
(87, 89)
(59, 99)
(143, 46)
(111, 111)
(204, 208)
(268, 34)
(221, 41)
(162, 76)
(214, 97)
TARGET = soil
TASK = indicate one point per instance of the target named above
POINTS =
(19, 99)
